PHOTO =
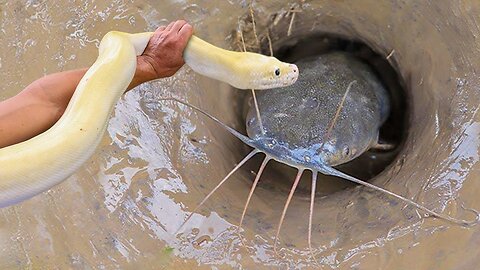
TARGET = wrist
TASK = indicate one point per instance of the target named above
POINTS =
(145, 69)
(143, 73)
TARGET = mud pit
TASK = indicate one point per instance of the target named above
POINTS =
(157, 162)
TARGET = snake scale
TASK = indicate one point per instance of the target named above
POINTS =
(33, 166)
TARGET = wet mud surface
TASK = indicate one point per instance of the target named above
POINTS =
(158, 160)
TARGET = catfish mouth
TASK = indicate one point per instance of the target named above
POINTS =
(418, 77)
(430, 125)
(394, 130)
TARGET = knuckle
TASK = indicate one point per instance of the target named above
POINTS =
(161, 39)
(170, 40)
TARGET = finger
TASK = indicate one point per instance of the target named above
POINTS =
(156, 35)
(161, 28)
(185, 33)
(169, 26)
(178, 25)
(186, 29)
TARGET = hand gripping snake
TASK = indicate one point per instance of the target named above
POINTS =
(33, 166)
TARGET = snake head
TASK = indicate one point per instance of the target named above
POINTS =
(264, 72)
(272, 73)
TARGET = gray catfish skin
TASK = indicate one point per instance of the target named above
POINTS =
(296, 118)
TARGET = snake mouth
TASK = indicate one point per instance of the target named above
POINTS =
(287, 79)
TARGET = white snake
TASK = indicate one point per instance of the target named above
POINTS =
(33, 166)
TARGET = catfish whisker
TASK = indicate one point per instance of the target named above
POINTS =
(254, 185)
(232, 131)
(292, 191)
(337, 114)
(245, 159)
(331, 171)
(310, 217)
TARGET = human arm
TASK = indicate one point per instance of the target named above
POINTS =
(36, 108)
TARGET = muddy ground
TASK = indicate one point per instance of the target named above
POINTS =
(158, 160)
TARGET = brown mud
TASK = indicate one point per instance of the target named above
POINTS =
(158, 160)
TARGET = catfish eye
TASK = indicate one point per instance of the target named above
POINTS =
(277, 72)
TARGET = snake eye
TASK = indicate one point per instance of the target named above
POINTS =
(277, 72)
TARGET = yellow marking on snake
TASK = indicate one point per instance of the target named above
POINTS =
(33, 166)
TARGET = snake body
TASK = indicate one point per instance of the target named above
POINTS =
(33, 166)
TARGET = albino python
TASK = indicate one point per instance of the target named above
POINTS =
(33, 166)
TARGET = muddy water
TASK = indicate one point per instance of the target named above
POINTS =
(157, 161)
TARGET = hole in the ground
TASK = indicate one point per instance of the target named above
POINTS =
(280, 177)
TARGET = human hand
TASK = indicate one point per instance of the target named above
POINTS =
(163, 55)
